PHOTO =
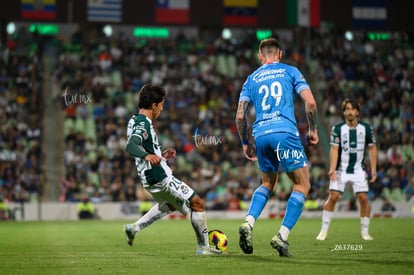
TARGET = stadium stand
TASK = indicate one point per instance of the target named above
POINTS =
(202, 80)
(21, 131)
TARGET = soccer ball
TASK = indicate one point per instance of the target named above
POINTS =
(217, 239)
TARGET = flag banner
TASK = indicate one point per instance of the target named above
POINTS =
(104, 10)
(304, 13)
(369, 13)
(38, 9)
(172, 11)
(240, 12)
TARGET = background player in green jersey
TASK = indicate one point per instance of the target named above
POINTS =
(169, 192)
(349, 141)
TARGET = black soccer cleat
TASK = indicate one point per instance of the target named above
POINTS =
(280, 245)
(246, 238)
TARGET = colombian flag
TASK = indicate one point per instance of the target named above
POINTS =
(38, 9)
(240, 12)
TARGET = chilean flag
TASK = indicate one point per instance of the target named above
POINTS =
(172, 11)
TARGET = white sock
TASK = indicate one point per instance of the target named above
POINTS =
(250, 219)
(153, 215)
(326, 219)
(199, 223)
(185, 209)
(284, 232)
(364, 224)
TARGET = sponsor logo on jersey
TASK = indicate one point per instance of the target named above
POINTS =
(268, 74)
(184, 189)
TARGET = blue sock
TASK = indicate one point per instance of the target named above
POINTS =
(293, 209)
(259, 199)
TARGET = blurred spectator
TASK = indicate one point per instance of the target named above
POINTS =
(129, 189)
(215, 197)
(395, 193)
(312, 204)
(394, 155)
(388, 206)
(86, 210)
(4, 210)
(409, 190)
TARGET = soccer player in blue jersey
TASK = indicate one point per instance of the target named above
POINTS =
(272, 90)
(169, 192)
(349, 141)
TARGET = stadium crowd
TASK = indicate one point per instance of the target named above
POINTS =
(20, 118)
(202, 80)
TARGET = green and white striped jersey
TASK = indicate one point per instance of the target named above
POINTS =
(141, 126)
(352, 144)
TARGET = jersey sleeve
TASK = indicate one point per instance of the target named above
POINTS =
(140, 130)
(335, 135)
(138, 133)
(245, 94)
(299, 81)
(130, 125)
(370, 136)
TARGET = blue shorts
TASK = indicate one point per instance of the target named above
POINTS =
(285, 149)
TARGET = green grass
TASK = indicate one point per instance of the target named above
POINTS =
(168, 247)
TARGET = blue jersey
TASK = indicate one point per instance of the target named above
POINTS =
(272, 89)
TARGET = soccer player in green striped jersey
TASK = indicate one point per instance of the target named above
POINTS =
(349, 141)
(169, 192)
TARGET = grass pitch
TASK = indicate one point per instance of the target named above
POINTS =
(168, 247)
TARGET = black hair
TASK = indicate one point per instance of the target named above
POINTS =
(150, 94)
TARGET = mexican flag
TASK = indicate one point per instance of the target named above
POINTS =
(304, 13)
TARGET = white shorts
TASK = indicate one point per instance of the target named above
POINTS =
(358, 181)
(174, 192)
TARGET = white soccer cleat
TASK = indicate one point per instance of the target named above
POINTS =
(129, 233)
(366, 237)
(322, 235)
(208, 251)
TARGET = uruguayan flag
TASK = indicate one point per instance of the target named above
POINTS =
(369, 13)
(105, 10)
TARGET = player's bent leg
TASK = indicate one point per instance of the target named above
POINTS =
(199, 224)
(260, 197)
(294, 208)
(197, 204)
(296, 200)
(156, 212)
